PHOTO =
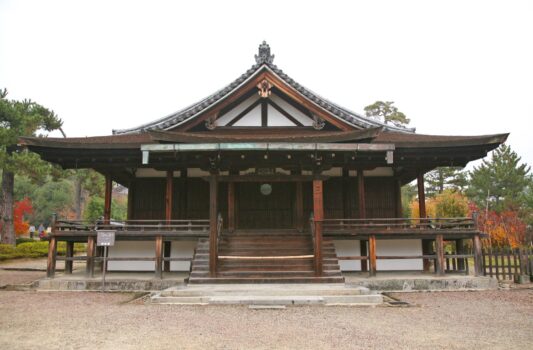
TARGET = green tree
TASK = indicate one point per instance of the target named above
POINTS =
(500, 183)
(95, 209)
(20, 118)
(52, 197)
(445, 178)
(409, 192)
(385, 112)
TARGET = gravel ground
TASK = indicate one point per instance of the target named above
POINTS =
(84, 320)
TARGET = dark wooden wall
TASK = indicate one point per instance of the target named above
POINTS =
(254, 210)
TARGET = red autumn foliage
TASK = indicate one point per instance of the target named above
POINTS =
(20, 209)
(504, 229)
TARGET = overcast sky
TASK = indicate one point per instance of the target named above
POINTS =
(453, 67)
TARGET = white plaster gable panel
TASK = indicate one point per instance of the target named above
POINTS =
(253, 118)
(295, 113)
(226, 118)
(275, 118)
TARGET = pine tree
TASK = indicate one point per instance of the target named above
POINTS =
(20, 118)
(386, 113)
(445, 178)
(500, 183)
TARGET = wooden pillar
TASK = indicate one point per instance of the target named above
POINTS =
(107, 198)
(399, 209)
(460, 249)
(183, 195)
(131, 200)
(439, 251)
(372, 254)
(318, 212)
(362, 214)
(69, 254)
(158, 256)
(478, 262)
(169, 188)
(231, 203)
(213, 209)
(346, 202)
(89, 267)
(51, 261)
(426, 243)
(299, 207)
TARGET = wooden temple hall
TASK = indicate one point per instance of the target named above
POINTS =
(266, 181)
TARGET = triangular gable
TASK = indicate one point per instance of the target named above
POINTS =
(215, 106)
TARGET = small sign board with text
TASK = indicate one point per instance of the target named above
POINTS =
(105, 238)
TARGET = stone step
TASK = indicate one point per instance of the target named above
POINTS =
(294, 279)
(372, 299)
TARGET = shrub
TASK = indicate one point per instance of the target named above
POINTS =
(24, 240)
(35, 249)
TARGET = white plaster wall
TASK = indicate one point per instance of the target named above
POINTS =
(181, 249)
(253, 118)
(141, 249)
(390, 247)
(275, 118)
(348, 248)
(226, 118)
(302, 118)
(146, 249)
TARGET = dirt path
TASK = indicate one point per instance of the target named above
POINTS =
(82, 320)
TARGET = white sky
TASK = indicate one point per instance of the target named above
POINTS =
(453, 67)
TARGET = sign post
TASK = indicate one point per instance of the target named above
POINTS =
(105, 238)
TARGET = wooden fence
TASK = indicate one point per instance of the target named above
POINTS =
(504, 263)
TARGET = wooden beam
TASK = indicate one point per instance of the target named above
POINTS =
(168, 215)
(51, 261)
(478, 262)
(372, 255)
(213, 212)
(243, 113)
(399, 209)
(318, 211)
(439, 251)
(299, 207)
(131, 200)
(107, 198)
(267, 178)
(264, 113)
(89, 267)
(284, 113)
(361, 193)
(158, 256)
(346, 202)
(231, 206)
(364, 252)
(69, 254)
(362, 214)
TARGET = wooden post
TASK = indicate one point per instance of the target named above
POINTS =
(460, 249)
(372, 255)
(89, 267)
(399, 209)
(426, 243)
(318, 213)
(439, 250)
(131, 200)
(213, 208)
(346, 202)
(299, 207)
(158, 256)
(231, 206)
(169, 188)
(69, 254)
(51, 262)
(362, 214)
(107, 199)
(478, 263)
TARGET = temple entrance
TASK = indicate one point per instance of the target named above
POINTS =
(265, 205)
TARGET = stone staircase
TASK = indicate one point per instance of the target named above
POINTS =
(326, 294)
(265, 257)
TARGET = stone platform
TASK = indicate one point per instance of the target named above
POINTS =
(417, 281)
(285, 294)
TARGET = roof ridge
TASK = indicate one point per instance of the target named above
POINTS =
(263, 59)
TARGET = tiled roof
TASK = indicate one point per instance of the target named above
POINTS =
(263, 61)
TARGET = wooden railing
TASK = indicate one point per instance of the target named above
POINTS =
(86, 231)
(333, 226)
(506, 263)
